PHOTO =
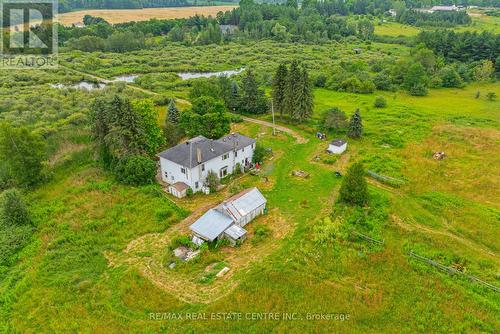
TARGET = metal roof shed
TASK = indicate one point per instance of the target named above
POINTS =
(235, 232)
(211, 225)
(244, 203)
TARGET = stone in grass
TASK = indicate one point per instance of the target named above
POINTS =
(172, 265)
(222, 272)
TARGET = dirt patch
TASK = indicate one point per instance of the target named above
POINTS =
(296, 135)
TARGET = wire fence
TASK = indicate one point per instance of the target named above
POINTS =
(452, 271)
(367, 238)
(385, 179)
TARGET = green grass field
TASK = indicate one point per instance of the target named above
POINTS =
(83, 215)
(479, 24)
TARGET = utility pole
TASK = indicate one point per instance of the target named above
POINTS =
(272, 111)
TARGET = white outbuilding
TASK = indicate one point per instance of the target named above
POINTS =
(337, 146)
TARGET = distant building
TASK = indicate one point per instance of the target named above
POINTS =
(393, 12)
(337, 146)
(228, 219)
(444, 8)
(78, 25)
(228, 29)
(187, 165)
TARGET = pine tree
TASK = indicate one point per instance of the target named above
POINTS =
(305, 97)
(292, 95)
(234, 100)
(253, 100)
(355, 125)
(172, 112)
(354, 189)
(279, 89)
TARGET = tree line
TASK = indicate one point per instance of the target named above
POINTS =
(71, 5)
(462, 46)
(435, 19)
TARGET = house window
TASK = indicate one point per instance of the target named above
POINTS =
(225, 156)
(196, 185)
(235, 153)
(223, 172)
(203, 167)
(243, 149)
(166, 175)
(183, 170)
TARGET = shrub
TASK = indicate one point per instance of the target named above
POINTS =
(15, 224)
(320, 81)
(334, 118)
(491, 96)
(13, 210)
(212, 181)
(261, 233)
(189, 192)
(380, 102)
(354, 189)
(135, 170)
(259, 153)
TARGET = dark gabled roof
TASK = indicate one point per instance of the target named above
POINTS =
(186, 154)
(338, 142)
(236, 141)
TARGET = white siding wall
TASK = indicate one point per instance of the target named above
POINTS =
(196, 174)
(337, 149)
(251, 216)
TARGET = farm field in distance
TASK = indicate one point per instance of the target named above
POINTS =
(90, 226)
(126, 15)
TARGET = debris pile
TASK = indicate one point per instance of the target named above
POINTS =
(185, 254)
(300, 173)
(439, 156)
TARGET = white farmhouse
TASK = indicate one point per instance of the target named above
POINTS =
(337, 146)
(228, 219)
(187, 165)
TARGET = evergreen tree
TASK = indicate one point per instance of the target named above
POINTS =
(279, 89)
(153, 136)
(172, 112)
(292, 94)
(234, 99)
(253, 100)
(355, 125)
(305, 98)
(120, 129)
(354, 189)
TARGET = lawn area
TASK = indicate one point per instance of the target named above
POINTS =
(395, 29)
(99, 258)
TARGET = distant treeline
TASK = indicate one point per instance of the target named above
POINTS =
(70, 5)
(250, 21)
(327, 7)
(463, 47)
(435, 19)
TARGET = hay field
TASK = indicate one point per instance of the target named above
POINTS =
(126, 15)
